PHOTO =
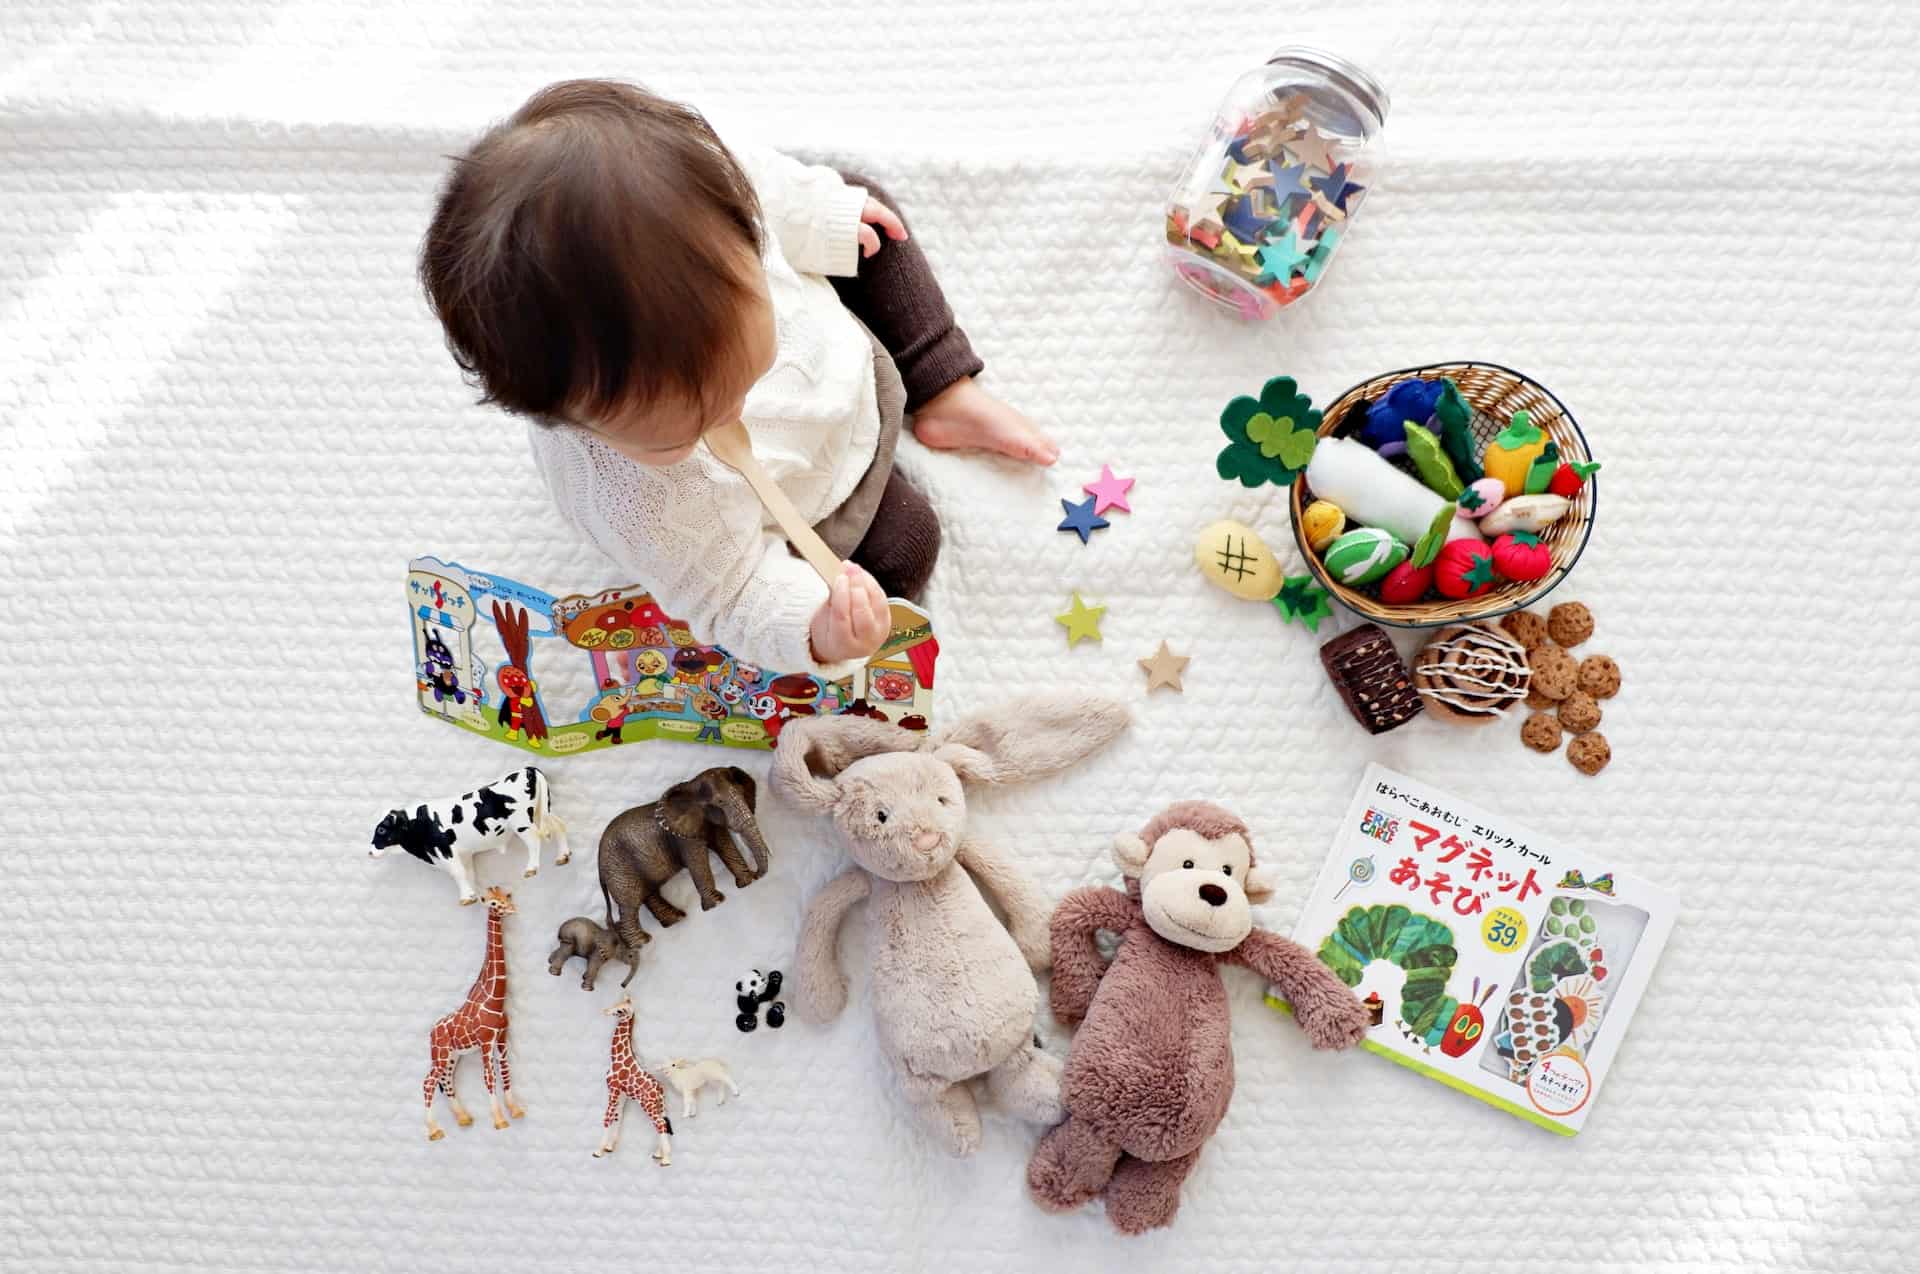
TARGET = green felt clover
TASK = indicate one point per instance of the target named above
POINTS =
(1269, 438)
(1301, 599)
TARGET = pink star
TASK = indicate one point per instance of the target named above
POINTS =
(1109, 492)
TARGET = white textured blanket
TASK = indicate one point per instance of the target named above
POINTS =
(228, 423)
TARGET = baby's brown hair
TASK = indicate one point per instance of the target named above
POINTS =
(588, 253)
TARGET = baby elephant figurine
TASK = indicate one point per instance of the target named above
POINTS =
(953, 990)
(650, 844)
(582, 937)
(687, 1078)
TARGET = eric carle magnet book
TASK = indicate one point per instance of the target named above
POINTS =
(1489, 958)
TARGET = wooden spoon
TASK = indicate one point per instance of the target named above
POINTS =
(732, 448)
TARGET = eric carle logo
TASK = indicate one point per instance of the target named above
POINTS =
(1379, 826)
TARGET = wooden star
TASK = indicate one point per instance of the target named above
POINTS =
(1109, 492)
(1081, 621)
(1310, 147)
(1164, 669)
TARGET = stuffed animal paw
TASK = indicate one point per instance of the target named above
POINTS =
(1332, 1020)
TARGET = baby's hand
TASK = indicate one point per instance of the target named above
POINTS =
(854, 620)
(878, 214)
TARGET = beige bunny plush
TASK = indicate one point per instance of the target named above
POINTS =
(954, 995)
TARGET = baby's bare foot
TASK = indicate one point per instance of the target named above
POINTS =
(964, 415)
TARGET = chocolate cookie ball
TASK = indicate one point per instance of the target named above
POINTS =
(1599, 676)
(1570, 623)
(1541, 732)
(1589, 753)
(1579, 713)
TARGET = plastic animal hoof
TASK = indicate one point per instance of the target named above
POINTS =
(600, 1153)
(436, 1134)
(531, 871)
(563, 860)
(501, 1122)
(746, 1022)
(777, 1015)
(464, 1120)
(468, 902)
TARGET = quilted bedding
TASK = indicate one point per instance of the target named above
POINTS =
(228, 422)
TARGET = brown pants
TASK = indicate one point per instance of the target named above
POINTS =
(899, 300)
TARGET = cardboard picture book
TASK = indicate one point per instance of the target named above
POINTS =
(1489, 958)
(581, 671)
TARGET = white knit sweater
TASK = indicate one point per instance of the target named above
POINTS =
(693, 533)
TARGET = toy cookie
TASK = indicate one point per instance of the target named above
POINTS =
(1526, 628)
(1570, 623)
(1554, 674)
(1589, 753)
(1470, 674)
(1541, 732)
(1599, 676)
(1372, 680)
(1579, 713)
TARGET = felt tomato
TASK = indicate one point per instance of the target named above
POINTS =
(1570, 477)
(1406, 583)
(1519, 555)
(1463, 569)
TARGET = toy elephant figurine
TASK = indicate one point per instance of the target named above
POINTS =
(594, 944)
(953, 991)
(648, 845)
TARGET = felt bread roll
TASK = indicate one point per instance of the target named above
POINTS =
(1373, 492)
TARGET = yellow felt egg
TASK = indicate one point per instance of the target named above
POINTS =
(1321, 522)
(1513, 451)
(1234, 557)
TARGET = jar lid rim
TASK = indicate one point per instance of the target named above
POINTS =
(1357, 81)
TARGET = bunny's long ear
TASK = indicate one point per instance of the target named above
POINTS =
(812, 752)
(1031, 739)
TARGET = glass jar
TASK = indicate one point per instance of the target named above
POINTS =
(1267, 198)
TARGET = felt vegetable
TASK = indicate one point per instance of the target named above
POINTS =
(1233, 556)
(1431, 462)
(1321, 523)
(1455, 420)
(1481, 497)
(1512, 453)
(1372, 491)
(1385, 427)
(1406, 583)
(1525, 513)
(1463, 569)
(1270, 438)
(1303, 600)
(1427, 547)
(1519, 555)
(1363, 556)
(1570, 477)
(1541, 471)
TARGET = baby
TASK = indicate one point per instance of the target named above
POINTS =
(605, 266)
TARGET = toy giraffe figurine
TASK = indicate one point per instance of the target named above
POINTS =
(627, 1078)
(481, 1022)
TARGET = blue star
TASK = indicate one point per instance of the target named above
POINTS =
(1244, 219)
(1288, 182)
(1335, 188)
(1081, 519)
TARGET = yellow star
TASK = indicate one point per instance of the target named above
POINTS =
(1164, 669)
(1081, 622)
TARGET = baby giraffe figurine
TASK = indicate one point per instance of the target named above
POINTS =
(1151, 1071)
(627, 1078)
(952, 987)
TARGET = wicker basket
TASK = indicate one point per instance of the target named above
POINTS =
(1494, 393)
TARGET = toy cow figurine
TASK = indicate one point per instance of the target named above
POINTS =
(448, 833)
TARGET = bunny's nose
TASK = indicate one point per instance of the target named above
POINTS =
(1213, 895)
(926, 841)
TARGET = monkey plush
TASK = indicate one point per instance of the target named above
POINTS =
(1151, 1069)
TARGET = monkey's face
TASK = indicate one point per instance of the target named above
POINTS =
(1194, 890)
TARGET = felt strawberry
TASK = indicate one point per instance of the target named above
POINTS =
(1406, 583)
(1519, 555)
(1463, 569)
(1570, 477)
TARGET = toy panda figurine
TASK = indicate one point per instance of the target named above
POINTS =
(751, 992)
